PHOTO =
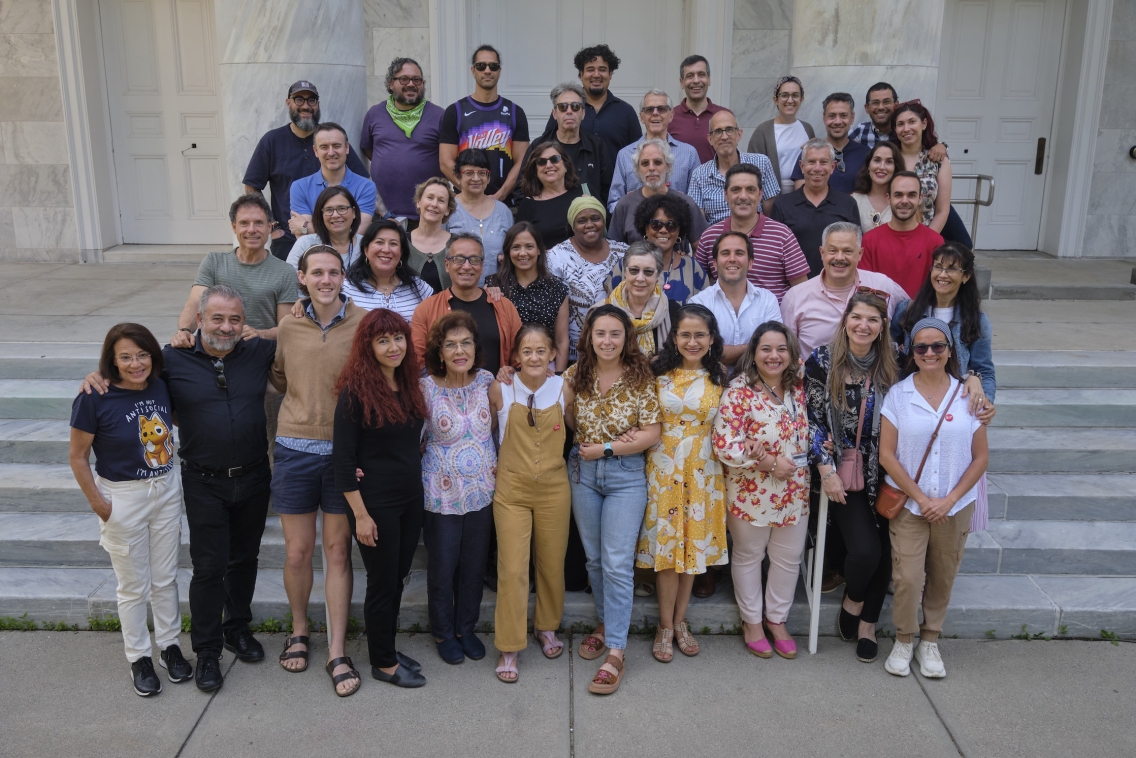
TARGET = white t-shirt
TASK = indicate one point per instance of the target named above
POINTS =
(944, 314)
(547, 396)
(789, 137)
(915, 420)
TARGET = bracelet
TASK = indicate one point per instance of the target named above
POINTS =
(825, 477)
(183, 329)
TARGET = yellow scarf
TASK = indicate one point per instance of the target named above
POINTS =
(652, 327)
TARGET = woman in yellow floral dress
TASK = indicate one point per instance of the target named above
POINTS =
(684, 529)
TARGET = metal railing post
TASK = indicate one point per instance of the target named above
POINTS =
(976, 201)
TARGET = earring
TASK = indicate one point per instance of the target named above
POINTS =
(399, 265)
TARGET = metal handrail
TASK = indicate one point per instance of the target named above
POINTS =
(976, 201)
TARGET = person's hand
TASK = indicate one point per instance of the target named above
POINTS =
(629, 436)
(591, 451)
(358, 474)
(493, 294)
(833, 487)
(183, 338)
(277, 233)
(754, 450)
(972, 388)
(937, 153)
(505, 374)
(986, 414)
(935, 510)
(298, 309)
(296, 224)
(247, 333)
(101, 509)
(783, 468)
(827, 446)
(365, 530)
(95, 382)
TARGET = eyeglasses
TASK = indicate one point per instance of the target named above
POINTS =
(789, 96)
(532, 421)
(482, 65)
(862, 290)
(564, 107)
(474, 173)
(635, 271)
(553, 159)
(301, 100)
(339, 210)
(219, 367)
(725, 131)
(461, 260)
(953, 270)
(452, 346)
(127, 358)
(886, 102)
(405, 80)
(657, 225)
(938, 348)
(655, 109)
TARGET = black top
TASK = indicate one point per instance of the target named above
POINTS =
(488, 335)
(539, 303)
(281, 158)
(852, 157)
(550, 217)
(220, 428)
(617, 124)
(493, 127)
(808, 221)
(389, 457)
(132, 428)
(595, 166)
(429, 274)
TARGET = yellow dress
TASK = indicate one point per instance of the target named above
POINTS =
(684, 528)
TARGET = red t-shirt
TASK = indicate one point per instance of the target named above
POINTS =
(904, 257)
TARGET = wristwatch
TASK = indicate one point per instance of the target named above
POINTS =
(608, 452)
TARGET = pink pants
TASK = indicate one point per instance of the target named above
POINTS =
(751, 543)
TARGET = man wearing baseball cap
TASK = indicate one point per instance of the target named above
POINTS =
(286, 154)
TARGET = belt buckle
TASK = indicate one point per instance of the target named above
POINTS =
(237, 469)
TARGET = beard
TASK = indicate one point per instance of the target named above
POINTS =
(411, 100)
(220, 342)
(596, 91)
(655, 184)
(304, 123)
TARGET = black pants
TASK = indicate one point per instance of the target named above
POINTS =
(226, 521)
(457, 548)
(955, 230)
(387, 564)
(280, 248)
(867, 567)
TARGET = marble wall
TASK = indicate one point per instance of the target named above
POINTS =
(762, 32)
(395, 29)
(37, 214)
(1110, 228)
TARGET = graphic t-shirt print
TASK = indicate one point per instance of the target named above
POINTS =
(154, 436)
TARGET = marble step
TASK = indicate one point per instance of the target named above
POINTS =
(72, 539)
(1045, 450)
(24, 440)
(1104, 548)
(1110, 408)
(48, 360)
(37, 398)
(40, 488)
(1065, 368)
(981, 606)
(1062, 497)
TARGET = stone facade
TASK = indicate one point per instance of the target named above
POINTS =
(37, 214)
(762, 31)
(395, 29)
(1110, 228)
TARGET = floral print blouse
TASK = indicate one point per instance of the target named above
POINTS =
(928, 172)
(602, 418)
(758, 496)
(459, 467)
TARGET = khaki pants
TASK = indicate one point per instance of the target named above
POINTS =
(925, 559)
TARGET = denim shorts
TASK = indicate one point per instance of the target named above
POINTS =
(304, 482)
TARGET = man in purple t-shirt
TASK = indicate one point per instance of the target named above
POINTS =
(400, 138)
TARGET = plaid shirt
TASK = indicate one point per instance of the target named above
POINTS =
(708, 185)
(867, 134)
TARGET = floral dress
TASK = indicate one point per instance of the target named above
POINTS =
(684, 528)
(928, 173)
(459, 467)
(757, 496)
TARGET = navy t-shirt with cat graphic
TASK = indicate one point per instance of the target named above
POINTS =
(133, 431)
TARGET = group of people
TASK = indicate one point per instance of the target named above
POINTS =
(550, 396)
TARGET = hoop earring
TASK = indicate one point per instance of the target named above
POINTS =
(399, 264)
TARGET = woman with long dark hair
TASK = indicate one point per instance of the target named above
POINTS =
(872, 182)
(550, 184)
(377, 427)
(684, 528)
(845, 385)
(913, 129)
(382, 277)
(335, 219)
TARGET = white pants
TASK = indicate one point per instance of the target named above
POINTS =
(751, 543)
(143, 536)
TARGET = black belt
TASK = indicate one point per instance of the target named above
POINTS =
(228, 473)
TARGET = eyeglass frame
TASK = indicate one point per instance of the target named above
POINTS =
(296, 99)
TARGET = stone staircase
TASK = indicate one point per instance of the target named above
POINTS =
(1059, 557)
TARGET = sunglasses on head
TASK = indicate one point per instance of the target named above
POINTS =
(553, 159)
(938, 348)
(482, 65)
(870, 291)
(565, 107)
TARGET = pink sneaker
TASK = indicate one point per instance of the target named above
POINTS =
(761, 648)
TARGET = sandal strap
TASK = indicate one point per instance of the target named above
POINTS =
(299, 639)
(602, 643)
(616, 663)
(337, 678)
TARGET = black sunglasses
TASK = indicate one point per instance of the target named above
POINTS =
(219, 367)
(937, 348)
(553, 159)
(657, 225)
(532, 421)
(563, 107)
(482, 65)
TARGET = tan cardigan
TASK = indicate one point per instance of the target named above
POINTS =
(308, 363)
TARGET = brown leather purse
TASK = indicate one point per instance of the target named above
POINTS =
(890, 500)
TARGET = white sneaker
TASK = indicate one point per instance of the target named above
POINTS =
(899, 662)
(930, 662)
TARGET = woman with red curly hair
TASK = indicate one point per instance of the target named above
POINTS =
(378, 424)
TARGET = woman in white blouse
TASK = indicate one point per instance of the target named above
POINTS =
(929, 534)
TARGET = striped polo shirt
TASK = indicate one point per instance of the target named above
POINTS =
(777, 257)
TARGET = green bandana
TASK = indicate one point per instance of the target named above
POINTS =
(405, 120)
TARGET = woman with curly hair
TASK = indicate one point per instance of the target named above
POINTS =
(378, 422)
(615, 392)
(684, 529)
(665, 222)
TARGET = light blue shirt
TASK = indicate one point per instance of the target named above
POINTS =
(305, 191)
(491, 230)
(626, 180)
(708, 185)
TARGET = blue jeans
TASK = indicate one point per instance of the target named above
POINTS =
(609, 498)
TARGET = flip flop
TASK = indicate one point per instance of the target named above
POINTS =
(508, 667)
(549, 643)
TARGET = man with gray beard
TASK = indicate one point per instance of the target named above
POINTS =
(653, 161)
(286, 154)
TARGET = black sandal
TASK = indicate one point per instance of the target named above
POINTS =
(286, 656)
(336, 679)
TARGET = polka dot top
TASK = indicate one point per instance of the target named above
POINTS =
(539, 302)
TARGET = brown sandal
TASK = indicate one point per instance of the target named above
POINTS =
(687, 645)
(593, 646)
(337, 679)
(605, 682)
(663, 650)
(286, 656)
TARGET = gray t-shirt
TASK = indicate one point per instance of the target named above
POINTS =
(621, 228)
(263, 285)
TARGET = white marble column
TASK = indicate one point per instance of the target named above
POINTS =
(841, 46)
(265, 45)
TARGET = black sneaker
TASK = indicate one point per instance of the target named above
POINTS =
(209, 673)
(146, 681)
(245, 647)
(176, 666)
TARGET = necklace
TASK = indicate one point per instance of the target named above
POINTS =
(928, 394)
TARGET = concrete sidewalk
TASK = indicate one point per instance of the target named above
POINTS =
(68, 693)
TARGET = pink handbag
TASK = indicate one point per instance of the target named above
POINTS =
(851, 466)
